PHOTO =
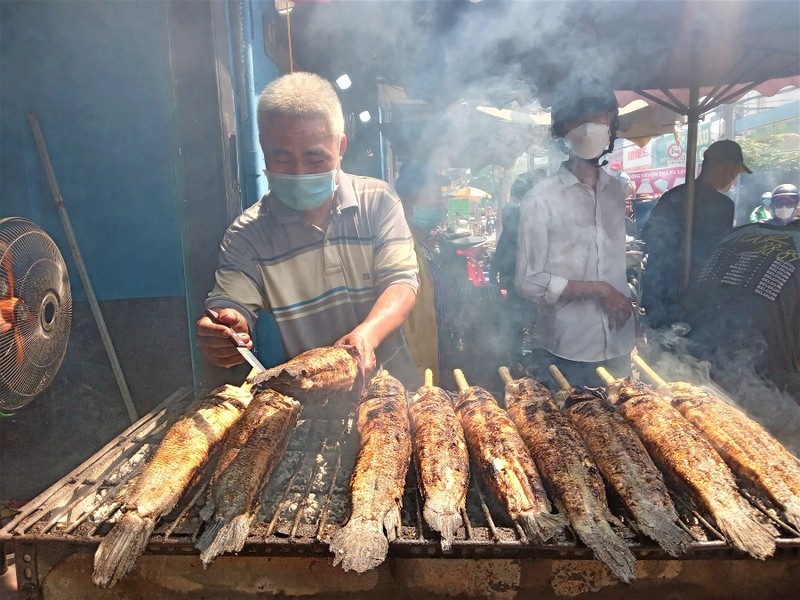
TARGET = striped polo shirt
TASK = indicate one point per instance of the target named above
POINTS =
(319, 285)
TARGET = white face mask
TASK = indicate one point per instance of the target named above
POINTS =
(784, 213)
(588, 140)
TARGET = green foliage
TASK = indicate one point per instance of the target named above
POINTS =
(775, 153)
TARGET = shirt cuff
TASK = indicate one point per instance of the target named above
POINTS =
(555, 288)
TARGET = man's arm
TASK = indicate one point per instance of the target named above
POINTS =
(389, 312)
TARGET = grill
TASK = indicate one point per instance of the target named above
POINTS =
(306, 500)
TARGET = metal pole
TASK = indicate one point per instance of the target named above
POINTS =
(691, 159)
(76, 254)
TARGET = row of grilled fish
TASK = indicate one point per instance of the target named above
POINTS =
(523, 454)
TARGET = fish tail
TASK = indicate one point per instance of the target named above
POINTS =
(746, 533)
(666, 532)
(540, 526)
(118, 551)
(446, 522)
(359, 546)
(609, 548)
(791, 510)
(223, 535)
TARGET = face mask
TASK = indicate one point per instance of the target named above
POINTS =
(784, 213)
(426, 218)
(303, 192)
(588, 140)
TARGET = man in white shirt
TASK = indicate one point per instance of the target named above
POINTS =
(571, 248)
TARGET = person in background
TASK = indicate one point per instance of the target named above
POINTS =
(663, 234)
(571, 246)
(763, 211)
(519, 311)
(784, 205)
(420, 190)
(328, 253)
(615, 170)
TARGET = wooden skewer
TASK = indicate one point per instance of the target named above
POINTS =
(248, 382)
(461, 381)
(428, 378)
(559, 378)
(505, 375)
(607, 377)
(649, 371)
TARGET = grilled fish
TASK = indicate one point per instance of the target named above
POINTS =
(184, 449)
(746, 447)
(688, 460)
(626, 466)
(249, 453)
(568, 471)
(442, 461)
(316, 375)
(378, 481)
(506, 465)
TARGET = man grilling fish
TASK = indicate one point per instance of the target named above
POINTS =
(327, 253)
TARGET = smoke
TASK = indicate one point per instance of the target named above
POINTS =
(671, 356)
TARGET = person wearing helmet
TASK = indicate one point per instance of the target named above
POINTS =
(784, 205)
(763, 211)
(571, 246)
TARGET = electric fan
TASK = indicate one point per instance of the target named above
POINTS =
(35, 311)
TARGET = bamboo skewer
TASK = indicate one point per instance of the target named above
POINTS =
(505, 375)
(461, 381)
(248, 382)
(607, 377)
(559, 378)
(428, 378)
(647, 370)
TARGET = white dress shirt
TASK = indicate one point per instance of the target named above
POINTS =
(568, 231)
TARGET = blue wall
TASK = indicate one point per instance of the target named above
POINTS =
(96, 75)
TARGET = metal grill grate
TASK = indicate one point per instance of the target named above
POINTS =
(306, 500)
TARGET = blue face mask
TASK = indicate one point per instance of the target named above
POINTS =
(303, 192)
(426, 218)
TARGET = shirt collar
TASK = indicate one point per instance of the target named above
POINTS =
(344, 197)
(568, 178)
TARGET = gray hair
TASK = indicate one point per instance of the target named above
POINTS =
(301, 95)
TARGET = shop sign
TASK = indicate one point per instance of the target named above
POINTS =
(654, 182)
(637, 159)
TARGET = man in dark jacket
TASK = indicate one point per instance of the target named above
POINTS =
(664, 232)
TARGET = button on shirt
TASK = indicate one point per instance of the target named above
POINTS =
(568, 231)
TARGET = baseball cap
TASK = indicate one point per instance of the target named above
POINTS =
(725, 151)
(616, 165)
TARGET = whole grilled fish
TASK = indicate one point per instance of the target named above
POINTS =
(316, 375)
(249, 453)
(626, 466)
(378, 481)
(568, 471)
(688, 460)
(746, 447)
(442, 461)
(504, 462)
(182, 451)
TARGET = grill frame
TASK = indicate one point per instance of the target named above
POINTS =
(56, 523)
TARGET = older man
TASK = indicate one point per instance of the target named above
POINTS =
(329, 254)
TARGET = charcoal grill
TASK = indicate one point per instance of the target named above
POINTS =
(306, 500)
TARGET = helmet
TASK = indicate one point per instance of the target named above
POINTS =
(580, 99)
(786, 189)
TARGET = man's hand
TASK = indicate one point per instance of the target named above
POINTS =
(364, 347)
(617, 305)
(213, 338)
